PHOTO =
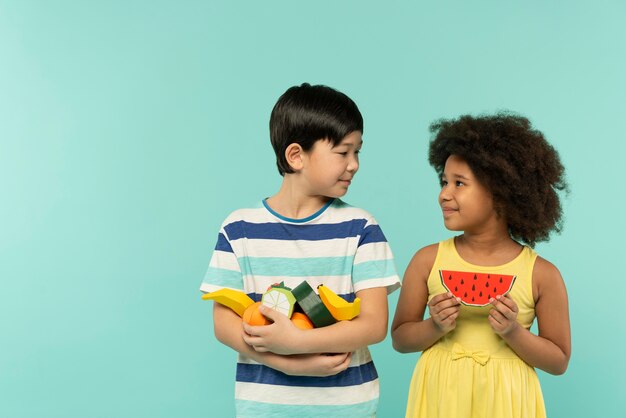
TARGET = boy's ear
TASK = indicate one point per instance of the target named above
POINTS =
(294, 155)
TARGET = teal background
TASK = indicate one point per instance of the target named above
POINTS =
(130, 129)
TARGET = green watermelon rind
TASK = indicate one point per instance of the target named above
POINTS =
(468, 272)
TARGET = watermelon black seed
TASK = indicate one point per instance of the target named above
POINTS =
(473, 287)
(456, 289)
(487, 284)
(472, 299)
(462, 282)
(465, 294)
(480, 294)
(500, 279)
(488, 297)
(489, 276)
(475, 277)
(450, 278)
(495, 290)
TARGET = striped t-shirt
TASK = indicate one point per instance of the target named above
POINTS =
(341, 247)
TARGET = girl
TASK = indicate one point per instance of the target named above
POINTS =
(499, 186)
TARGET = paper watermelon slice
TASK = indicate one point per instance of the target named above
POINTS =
(475, 289)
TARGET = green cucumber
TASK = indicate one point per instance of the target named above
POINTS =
(312, 305)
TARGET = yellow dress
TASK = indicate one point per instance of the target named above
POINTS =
(471, 372)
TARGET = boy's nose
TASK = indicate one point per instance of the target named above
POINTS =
(353, 165)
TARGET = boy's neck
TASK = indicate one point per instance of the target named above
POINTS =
(293, 202)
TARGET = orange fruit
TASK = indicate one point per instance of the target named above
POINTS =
(301, 321)
(253, 317)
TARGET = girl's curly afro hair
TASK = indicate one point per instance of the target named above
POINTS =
(516, 164)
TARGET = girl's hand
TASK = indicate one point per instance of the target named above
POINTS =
(315, 364)
(444, 309)
(503, 318)
(281, 337)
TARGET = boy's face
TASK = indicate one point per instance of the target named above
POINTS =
(327, 170)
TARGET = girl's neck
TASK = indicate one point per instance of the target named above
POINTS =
(487, 248)
(292, 202)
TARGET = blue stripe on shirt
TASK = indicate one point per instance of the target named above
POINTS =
(223, 244)
(372, 233)
(259, 373)
(282, 231)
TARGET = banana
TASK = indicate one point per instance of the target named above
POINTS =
(233, 299)
(338, 307)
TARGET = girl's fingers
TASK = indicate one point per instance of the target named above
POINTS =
(438, 298)
(508, 301)
(445, 313)
(443, 304)
(503, 308)
(497, 316)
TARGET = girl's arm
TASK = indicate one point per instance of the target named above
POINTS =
(228, 330)
(550, 350)
(409, 331)
(282, 337)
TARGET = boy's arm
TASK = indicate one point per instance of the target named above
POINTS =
(228, 330)
(282, 337)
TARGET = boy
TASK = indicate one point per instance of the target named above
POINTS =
(305, 232)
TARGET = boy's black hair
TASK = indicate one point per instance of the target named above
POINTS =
(305, 114)
(514, 162)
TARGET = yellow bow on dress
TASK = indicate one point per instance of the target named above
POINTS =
(480, 357)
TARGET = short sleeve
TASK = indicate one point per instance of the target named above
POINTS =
(374, 265)
(224, 270)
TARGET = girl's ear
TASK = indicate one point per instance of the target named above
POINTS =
(294, 155)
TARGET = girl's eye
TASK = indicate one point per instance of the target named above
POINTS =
(460, 183)
(443, 183)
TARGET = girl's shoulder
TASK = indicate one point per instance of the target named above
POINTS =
(546, 276)
(545, 269)
(423, 260)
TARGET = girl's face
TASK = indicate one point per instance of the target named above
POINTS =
(466, 204)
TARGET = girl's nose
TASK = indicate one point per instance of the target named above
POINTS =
(444, 194)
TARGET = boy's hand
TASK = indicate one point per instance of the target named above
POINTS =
(281, 337)
(316, 364)
(503, 318)
(444, 308)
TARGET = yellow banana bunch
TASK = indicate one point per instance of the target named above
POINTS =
(233, 299)
(338, 307)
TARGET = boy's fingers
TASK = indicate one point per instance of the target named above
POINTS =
(253, 330)
(269, 313)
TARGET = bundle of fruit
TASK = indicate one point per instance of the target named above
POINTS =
(302, 305)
